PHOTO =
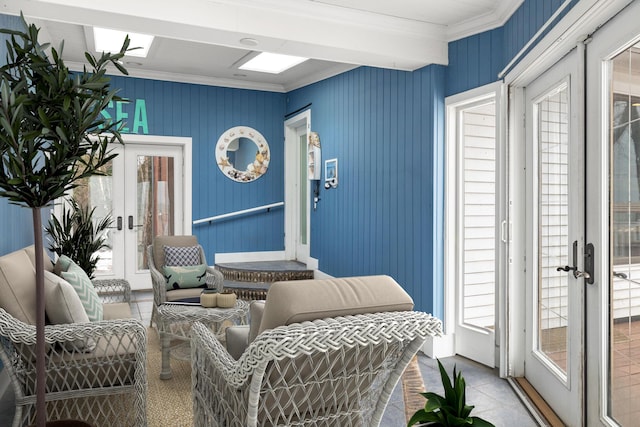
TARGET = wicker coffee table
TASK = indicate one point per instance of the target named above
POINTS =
(175, 320)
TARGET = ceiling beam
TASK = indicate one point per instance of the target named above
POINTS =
(314, 30)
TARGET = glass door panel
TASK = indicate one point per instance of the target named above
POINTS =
(95, 192)
(553, 242)
(155, 203)
(624, 237)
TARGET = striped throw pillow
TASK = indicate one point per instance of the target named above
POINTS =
(87, 293)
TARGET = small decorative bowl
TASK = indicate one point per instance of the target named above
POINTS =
(227, 300)
(209, 298)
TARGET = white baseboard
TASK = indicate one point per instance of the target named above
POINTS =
(317, 274)
(436, 347)
(249, 256)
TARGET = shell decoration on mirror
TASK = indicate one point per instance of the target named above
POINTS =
(242, 154)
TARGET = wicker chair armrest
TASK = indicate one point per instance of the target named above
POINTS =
(206, 350)
(159, 286)
(215, 279)
(113, 290)
(21, 333)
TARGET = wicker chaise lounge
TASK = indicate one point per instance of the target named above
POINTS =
(95, 370)
(325, 353)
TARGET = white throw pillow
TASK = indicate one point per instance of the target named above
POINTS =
(62, 302)
(63, 305)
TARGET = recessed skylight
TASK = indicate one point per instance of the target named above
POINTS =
(273, 63)
(111, 41)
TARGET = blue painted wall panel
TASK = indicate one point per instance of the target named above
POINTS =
(478, 59)
(379, 124)
(475, 61)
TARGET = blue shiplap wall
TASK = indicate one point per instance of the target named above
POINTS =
(478, 59)
(204, 113)
(16, 225)
(475, 61)
(384, 127)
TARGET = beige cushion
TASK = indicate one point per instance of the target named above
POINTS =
(256, 311)
(236, 340)
(159, 242)
(62, 302)
(18, 286)
(120, 310)
(238, 337)
(63, 305)
(31, 252)
(302, 300)
(178, 294)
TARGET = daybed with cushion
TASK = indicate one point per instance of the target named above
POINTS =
(324, 352)
(95, 359)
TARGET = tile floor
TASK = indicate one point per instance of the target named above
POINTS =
(492, 396)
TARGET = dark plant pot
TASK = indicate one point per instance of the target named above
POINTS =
(66, 423)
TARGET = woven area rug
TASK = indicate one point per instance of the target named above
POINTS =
(169, 401)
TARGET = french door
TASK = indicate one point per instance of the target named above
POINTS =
(143, 189)
(613, 143)
(555, 224)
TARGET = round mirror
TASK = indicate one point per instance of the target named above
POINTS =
(242, 154)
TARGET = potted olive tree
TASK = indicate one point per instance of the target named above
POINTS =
(51, 136)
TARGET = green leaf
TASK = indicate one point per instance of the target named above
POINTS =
(434, 402)
(479, 422)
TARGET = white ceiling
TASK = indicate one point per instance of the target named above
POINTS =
(199, 41)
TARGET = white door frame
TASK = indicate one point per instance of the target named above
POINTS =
(291, 194)
(498, 337)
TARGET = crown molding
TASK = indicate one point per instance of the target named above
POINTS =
(186, 78)
(485, 22)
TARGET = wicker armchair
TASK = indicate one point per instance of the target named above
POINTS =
(107, 383)
(315, 369)
(95, 371)
(156, 258)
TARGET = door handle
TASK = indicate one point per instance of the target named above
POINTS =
(131, 226)
(588, 263)
(118, 224)
(566, 268)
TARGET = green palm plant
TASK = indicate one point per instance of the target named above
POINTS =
(52, 135)
(78, 236)
(449, 410)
